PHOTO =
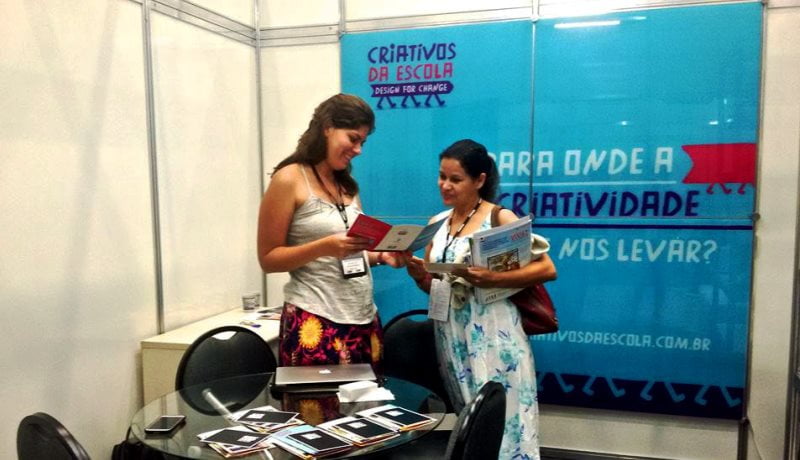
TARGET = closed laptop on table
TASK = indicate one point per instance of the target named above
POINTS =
(322, 376)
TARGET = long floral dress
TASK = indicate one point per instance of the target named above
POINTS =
(481, 342)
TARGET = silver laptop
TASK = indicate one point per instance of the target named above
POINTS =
(323, 375)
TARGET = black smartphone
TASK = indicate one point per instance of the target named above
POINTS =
(165, 424)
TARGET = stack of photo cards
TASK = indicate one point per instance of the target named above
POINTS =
(397, 417)
(235, 441)
(309, 442)
(266, 419)
(360, 431)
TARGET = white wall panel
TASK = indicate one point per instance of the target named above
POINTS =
(298, 13)
(76, 272)
(209, 188)
(311, 12)
(295, 80)
(776, 232)
(369, 9)
(238, 10)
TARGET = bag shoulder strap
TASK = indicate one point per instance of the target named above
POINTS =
(496, 215)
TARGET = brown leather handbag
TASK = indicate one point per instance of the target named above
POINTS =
(536, 309)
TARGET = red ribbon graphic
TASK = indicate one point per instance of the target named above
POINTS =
(720, 164)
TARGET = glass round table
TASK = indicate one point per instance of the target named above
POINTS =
(252, 391)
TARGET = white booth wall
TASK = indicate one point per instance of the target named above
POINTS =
(77, 272)
(239, 10)
(209, 185)
(77, 275)
(774, 270)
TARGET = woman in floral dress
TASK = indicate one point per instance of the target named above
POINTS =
(481, 342)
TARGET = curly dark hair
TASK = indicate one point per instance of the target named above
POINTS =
(342, 111)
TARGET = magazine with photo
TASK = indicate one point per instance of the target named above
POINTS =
(387, 237)
(502, 248)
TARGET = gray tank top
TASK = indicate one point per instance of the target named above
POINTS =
(319, 286)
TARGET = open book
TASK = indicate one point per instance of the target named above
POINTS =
(500, 249)
(386, 237)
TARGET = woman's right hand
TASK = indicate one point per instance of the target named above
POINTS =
(340, 245)
(416, 268)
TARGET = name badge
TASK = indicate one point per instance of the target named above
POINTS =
(354, 266)
(439, 301)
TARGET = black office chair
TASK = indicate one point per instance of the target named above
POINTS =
(227, 351)
(222, 353)
(409, 353)
(41, 436)
(477, 435)
(479, 430)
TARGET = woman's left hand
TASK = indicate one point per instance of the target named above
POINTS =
(477, 276)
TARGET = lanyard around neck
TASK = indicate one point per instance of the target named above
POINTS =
(451, 238)
(338, 203)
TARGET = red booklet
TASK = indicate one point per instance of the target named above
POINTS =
(386, 237)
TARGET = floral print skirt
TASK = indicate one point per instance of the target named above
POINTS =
(308, 339)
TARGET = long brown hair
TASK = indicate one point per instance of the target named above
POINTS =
(342, 111)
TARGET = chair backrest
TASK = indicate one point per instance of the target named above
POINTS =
(478, 433)
(409, 352)
(42, 436)
(224, 352)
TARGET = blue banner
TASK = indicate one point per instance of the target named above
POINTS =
(642, 169)
(644, 173)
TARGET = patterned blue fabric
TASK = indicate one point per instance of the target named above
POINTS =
(481, 342)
